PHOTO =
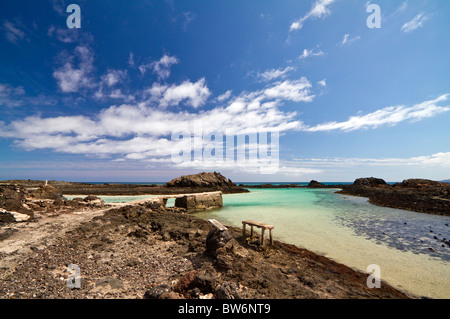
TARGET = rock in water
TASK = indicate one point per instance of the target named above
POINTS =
(315, 184)
(369, 181)
(205, 181)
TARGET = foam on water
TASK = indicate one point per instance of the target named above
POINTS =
(352, 231)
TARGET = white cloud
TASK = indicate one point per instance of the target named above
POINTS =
(224, 96)
(272, 74)
(193, 94)
(140, 131)
(387, 116)
(297, 91)
(441, 159)
(11, 96)
(113, 77)
(64, 35)
(310, 53)
(161, 67)
(415, 23)
(74, 77)
(131, 60)
(322, 82)
(319, 9)
(13, 32)
(348, 39)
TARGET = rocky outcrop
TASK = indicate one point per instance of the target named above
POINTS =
(369, 181)
(420, 195)
(13, 217)
(315, 184)
(47, 192)
(12, 198)
(205, 181)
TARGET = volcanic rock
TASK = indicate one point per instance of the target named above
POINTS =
(47, 192)
(315, 184)
(202, 181)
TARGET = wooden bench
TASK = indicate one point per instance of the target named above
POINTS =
(263, 227)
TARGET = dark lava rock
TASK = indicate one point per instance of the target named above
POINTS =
(419, 195)
(213, 181)
(12, 198)
(227, 290)
(369, 181)
(156, 292)
(315, 184)
(47, 192)
(215, 240)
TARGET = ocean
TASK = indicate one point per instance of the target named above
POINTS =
(405, 245)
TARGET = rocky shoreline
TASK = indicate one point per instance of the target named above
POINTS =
(202, 182)
(419, 195)
(158, 253)
(147, 250)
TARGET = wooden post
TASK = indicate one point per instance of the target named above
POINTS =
(262, 235)
(271, 238)
(243, 230)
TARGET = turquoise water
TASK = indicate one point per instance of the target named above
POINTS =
(352, 231)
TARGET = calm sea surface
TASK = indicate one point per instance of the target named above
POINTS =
(407, 246)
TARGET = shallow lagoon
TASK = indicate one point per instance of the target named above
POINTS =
(354, 232)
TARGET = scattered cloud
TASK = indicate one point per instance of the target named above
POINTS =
(415, 23)
(72, 77)
(139, 131)
(130, 61)
(13, 31)
(387, 116)
(322, 82)
(11, 96)
(64, 35)
(348, 39)
(193, 94)
(297, 91)
(161, 67)
(319, 9)
(273, 74)
(188, 17)
(437, 159)
(224, 96)
(310, 53)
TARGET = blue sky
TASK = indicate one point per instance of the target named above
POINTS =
(104, 102)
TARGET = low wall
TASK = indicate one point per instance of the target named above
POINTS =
(199, 202)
